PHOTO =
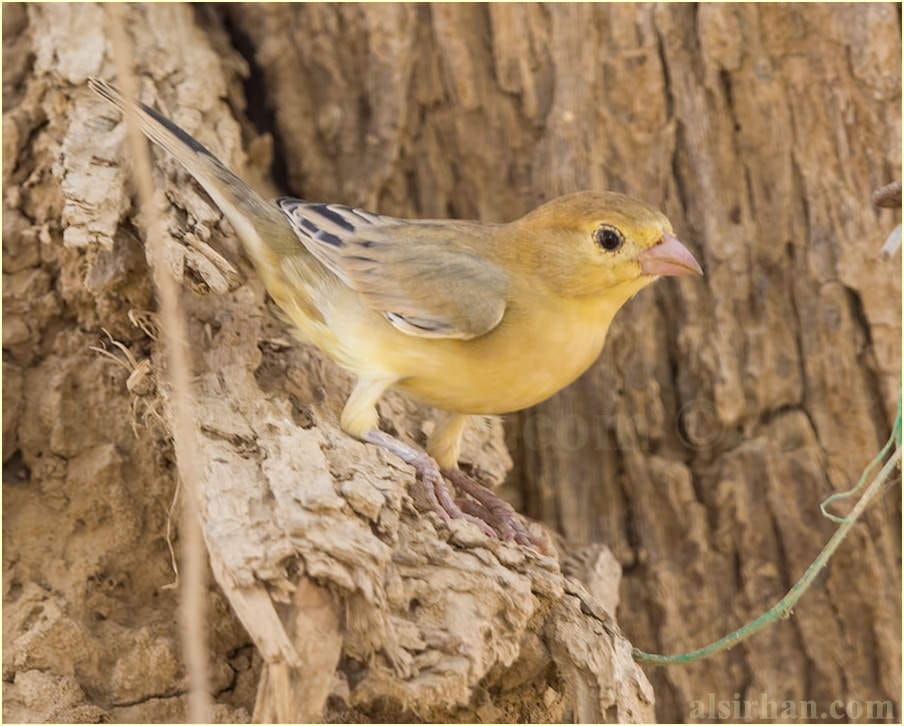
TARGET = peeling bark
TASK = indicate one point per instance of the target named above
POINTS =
(697, 448)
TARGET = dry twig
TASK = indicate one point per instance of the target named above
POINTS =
(184, 426)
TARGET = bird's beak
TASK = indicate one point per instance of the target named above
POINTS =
(669, 257)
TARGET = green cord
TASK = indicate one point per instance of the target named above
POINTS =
(783, 608)
(895, 438)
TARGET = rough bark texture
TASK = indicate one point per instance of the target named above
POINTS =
(698, 448)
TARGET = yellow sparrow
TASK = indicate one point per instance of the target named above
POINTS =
(468, 317)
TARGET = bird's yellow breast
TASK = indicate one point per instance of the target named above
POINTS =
(522, 362)
(543, 343)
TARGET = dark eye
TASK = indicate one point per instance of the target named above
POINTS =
(609, 238)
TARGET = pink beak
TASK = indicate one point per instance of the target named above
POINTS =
(669, 257)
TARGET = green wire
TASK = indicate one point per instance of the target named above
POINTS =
(783, 608)
(893, 439)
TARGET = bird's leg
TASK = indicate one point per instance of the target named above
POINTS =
(445, 445)
(428, 472)
(359, 418)
(494, 510)
(476, 509)
(488, 511)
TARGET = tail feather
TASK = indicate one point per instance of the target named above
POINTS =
(260, 225)
(292, 275)
(184, 147)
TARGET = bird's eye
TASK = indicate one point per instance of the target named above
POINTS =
(609, 238)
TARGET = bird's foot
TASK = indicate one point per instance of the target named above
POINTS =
(434, 485)
(492, 514)
(492, 509)
(430, 479)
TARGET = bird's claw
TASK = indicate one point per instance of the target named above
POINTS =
(492, 509)
(502, 529)
(434, 487)
(492, 515)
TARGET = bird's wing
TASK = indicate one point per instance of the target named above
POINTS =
(421, 275)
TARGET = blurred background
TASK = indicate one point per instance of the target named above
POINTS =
(723, 409)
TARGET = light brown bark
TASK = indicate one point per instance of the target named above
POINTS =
(698, 448)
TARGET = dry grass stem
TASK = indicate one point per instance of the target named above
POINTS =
(184, 428)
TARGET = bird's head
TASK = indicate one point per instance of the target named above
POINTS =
(603, 244)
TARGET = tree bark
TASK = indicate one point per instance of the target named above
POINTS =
(721, 413)
(698, 448)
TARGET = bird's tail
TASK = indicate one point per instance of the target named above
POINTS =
(294, 278)
(263, 229)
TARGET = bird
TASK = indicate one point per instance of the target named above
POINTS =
(470, 318)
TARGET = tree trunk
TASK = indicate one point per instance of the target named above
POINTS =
(698, 448)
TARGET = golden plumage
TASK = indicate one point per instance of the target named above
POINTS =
(467, 317)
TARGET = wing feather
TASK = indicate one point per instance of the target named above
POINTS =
(423, 276)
